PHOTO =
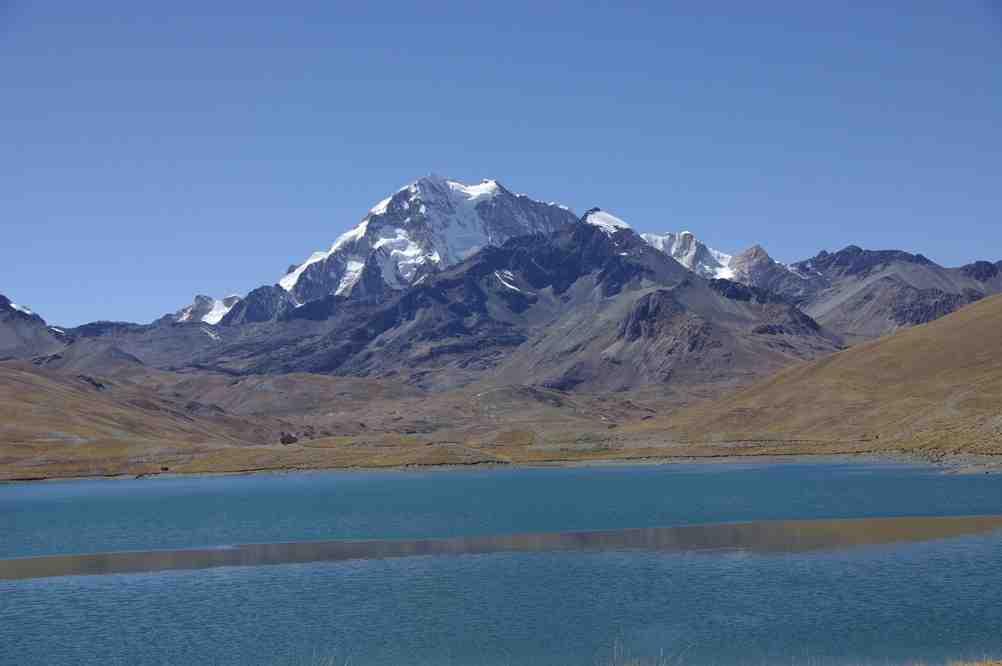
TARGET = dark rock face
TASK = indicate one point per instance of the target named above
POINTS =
(652, 316)
(983, 271)
(854, 260)
(920, 306)
(93, 383)
(318, 310)
(671, 334)
(107, 329)
(788, 320)
(743, 292)
(262, 304)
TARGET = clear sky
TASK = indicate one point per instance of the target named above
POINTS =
(151, 151)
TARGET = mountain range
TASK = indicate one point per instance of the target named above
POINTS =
(446, 289)
(435, 223)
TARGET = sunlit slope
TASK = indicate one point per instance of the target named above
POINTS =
(72, 425)
(936, 386)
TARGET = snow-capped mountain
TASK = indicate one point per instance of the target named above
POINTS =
(590, 306)
(206, 309)
(693, 254)
(428, 225)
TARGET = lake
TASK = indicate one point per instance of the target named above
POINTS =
(819, 563)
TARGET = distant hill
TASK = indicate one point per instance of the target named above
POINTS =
(24, 334)
(935, 387)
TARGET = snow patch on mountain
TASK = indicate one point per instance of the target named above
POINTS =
(21, 308)
(220, 308)
(207, 310)
(608, 223)
(506, 278)
(473, 193)
(351, 275)
(693, 254)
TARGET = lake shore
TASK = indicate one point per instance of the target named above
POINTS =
(957, 464)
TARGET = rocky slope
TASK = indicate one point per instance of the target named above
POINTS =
(864, 294)
(24, 334)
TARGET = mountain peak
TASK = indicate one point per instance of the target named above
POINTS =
(754, 253)
(429, 224)
(435, 184)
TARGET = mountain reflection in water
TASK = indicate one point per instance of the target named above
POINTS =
(757, 537)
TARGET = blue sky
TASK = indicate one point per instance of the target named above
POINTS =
(151, 151)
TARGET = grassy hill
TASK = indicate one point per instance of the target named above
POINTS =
(60, 424)
(935, 388)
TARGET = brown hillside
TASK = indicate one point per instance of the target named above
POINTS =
(57, 424)
(936, 387)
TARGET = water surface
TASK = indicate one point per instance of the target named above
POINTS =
(548, 566)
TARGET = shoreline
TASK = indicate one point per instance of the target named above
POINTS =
(959, 464)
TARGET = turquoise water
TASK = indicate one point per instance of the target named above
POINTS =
(883, 604)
